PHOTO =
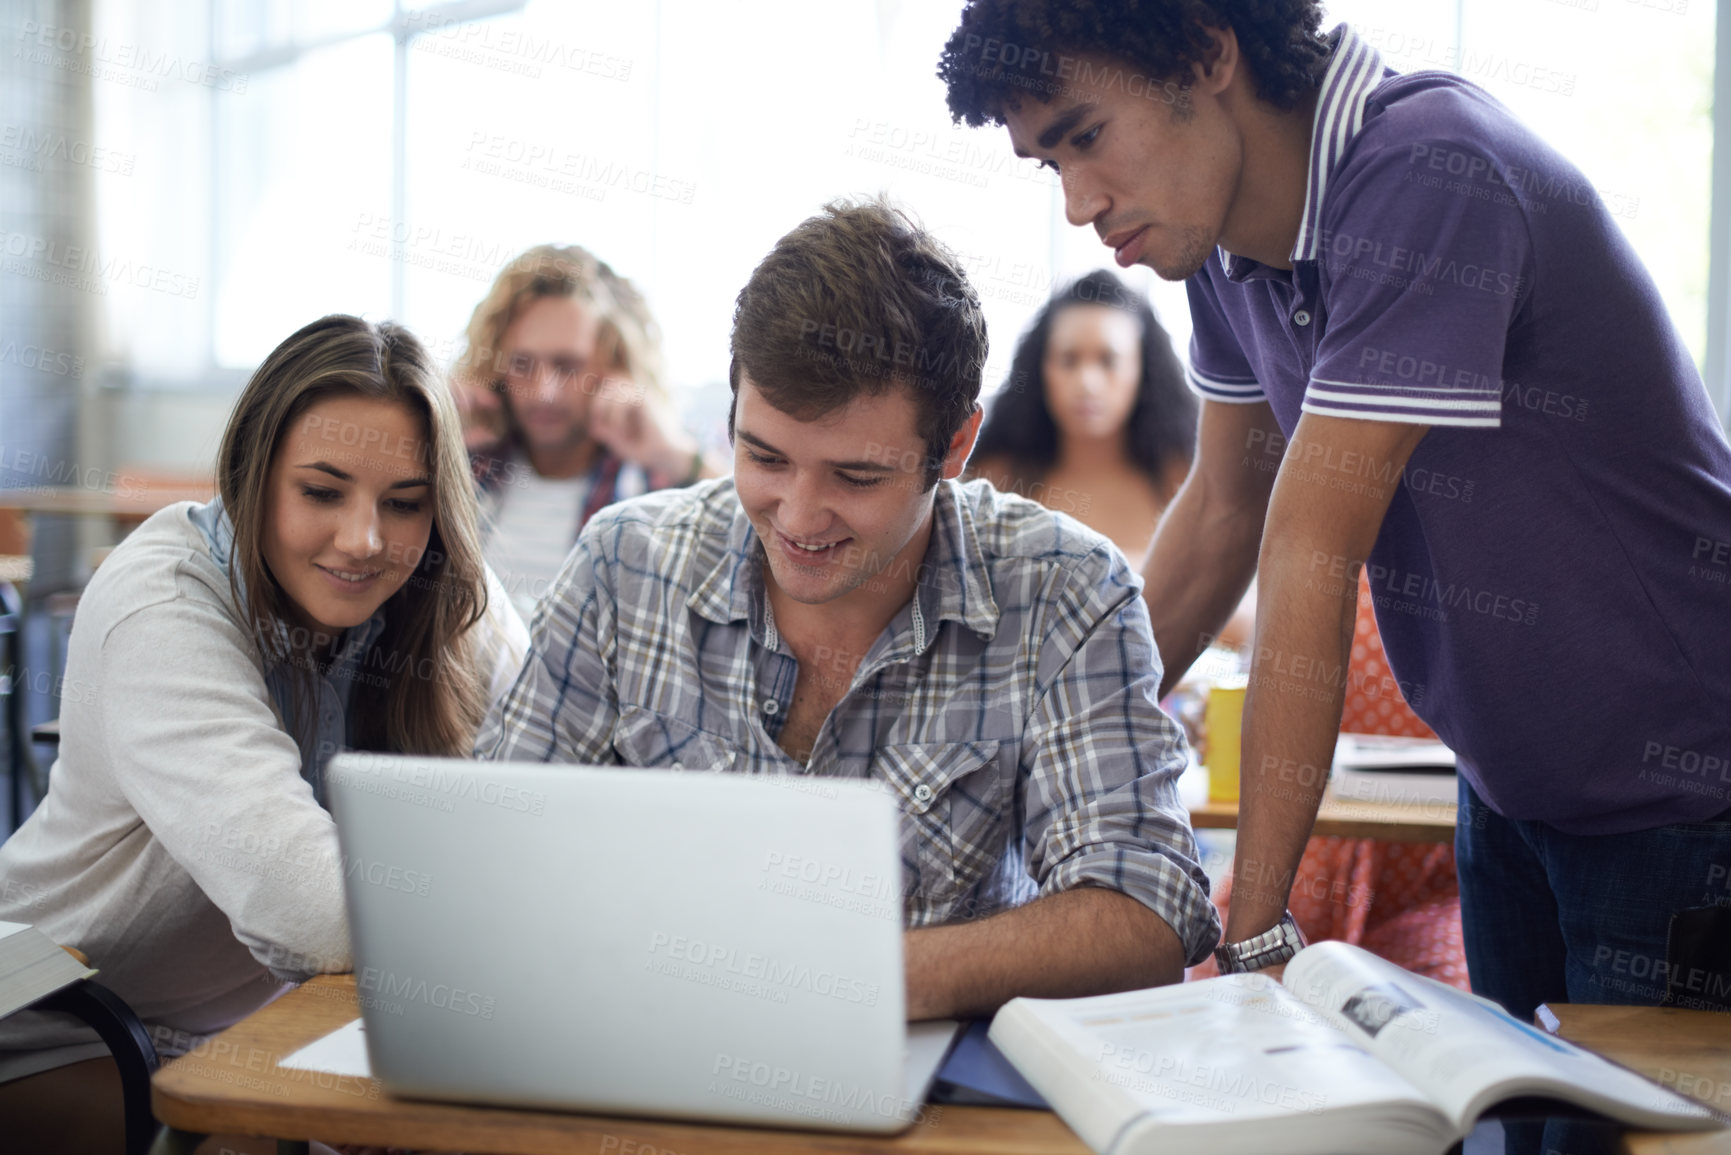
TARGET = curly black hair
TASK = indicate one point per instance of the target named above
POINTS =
(1004, 50)
(1162, 424)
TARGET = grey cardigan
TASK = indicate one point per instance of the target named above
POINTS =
(179, 845)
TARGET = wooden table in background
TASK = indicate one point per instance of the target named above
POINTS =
(1687, 1051)
(136, 494)
(232, 1085)
(129, 503)
(1347, 818)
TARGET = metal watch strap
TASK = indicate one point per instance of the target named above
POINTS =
(1274, 945)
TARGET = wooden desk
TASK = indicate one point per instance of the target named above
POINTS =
(1687, 1051)
(128, 503)
(1346, 818)
(233, 1085)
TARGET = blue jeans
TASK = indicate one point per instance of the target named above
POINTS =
(1568, 918)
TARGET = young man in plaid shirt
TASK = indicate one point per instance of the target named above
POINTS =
(843, 608)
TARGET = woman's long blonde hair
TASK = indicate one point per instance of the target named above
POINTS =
(422, 691)
(628, 339)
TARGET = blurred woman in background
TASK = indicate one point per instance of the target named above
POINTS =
(1095, 419)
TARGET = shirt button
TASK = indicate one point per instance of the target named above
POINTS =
(770, 705)
(1301, 318)
(922, 793)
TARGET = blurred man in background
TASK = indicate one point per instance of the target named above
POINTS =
(564, 409)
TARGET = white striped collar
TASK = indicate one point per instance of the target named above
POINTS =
(1354, 71)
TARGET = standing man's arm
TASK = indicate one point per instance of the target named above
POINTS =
(1204, 552)
(1322, 521)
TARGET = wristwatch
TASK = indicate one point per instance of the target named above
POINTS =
(1273, 946)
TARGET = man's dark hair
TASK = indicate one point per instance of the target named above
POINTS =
(1004, 50)
(858, 300)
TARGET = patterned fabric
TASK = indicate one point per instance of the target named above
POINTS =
(1009, 707)
(1398, 900)
(1374, 704)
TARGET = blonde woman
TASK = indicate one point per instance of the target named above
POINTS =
(332, 596)
(560, 386)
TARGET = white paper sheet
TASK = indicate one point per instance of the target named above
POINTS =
(342, 1052)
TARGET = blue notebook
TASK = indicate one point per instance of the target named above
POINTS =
(977, 1074)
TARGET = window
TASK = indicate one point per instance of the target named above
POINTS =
(387, 158)
(388, 161)
(1622, 88)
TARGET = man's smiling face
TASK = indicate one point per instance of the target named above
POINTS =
(838, 501)
(1153, 168)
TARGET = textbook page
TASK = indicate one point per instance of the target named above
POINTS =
(1463, 1051)
(1233, 1064)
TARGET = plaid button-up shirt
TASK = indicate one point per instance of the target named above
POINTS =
(1010, 707)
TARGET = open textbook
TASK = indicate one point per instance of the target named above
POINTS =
(1347, 1055)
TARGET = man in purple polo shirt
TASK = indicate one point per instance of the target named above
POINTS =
(1425, 350)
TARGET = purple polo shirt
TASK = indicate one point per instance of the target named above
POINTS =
(1553, 578)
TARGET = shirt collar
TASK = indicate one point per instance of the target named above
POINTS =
(211, 520)
(953, 582)
(728, 592)
(1354, 71)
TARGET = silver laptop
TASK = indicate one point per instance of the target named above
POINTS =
(695, 945)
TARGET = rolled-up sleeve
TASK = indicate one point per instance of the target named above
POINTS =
(1101, 760)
